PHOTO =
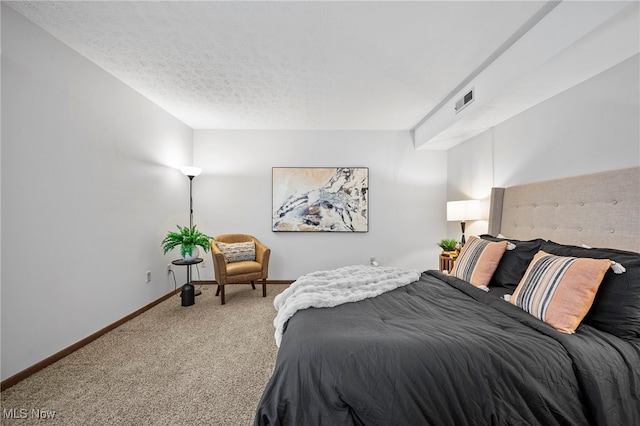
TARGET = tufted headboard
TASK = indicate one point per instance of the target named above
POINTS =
(598, 210)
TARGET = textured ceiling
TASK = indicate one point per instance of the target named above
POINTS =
(287, 65)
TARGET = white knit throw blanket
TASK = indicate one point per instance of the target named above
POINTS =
(323, 289)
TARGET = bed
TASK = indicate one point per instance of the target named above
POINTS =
(479, 346)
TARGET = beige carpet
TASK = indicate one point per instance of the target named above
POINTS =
(205, 364)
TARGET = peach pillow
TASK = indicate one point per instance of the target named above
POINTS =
(478, 260)
(560, 290)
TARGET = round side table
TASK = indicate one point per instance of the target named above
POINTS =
(188, 263)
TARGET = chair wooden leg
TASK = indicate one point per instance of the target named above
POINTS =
(264, 287)
(253, 285)
(218, 291)
(221, 287)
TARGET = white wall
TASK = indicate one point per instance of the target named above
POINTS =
(406, 206)
(89, 187)
(589, 128)
(88, 192)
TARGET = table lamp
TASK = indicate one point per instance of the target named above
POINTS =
(462, 211)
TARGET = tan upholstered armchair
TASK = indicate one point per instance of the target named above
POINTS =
(236, 267)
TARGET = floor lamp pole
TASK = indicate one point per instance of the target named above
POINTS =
(190, 220)
(190, 172)
(197, 292)
(191, 201)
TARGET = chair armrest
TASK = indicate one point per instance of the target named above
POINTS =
(219, 263)
(262, 257)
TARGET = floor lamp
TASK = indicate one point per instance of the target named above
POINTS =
(462, 211)
(191, 172)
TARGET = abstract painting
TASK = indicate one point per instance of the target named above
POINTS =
(320, 199)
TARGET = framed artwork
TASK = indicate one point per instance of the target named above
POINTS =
(320, 199)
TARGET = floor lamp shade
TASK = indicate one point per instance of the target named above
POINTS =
(462, 211)
(191, 171)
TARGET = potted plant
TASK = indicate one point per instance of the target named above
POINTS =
(188, 238)
(448, 246)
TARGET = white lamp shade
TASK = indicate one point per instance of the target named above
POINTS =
(464, 210)
(191, 171)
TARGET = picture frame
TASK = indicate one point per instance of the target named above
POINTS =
(320, 199)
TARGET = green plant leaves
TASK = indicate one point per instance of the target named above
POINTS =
(447, 244)
(187, 238)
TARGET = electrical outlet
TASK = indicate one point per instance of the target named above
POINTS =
(169, 268)
(148, 276)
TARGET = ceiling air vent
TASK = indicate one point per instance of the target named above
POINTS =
(464, 101)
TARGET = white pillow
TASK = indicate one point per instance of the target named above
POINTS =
(237, 252)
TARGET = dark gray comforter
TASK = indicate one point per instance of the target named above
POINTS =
(441, 352)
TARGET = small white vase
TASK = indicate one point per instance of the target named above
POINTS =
(194, 254)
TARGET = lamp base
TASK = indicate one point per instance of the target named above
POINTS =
(463, 240)
(188, 295)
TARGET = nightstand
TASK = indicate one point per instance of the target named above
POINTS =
(446, 262)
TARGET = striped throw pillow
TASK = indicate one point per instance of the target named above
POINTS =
(237, 252)
(478, 260)
(560, 290)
